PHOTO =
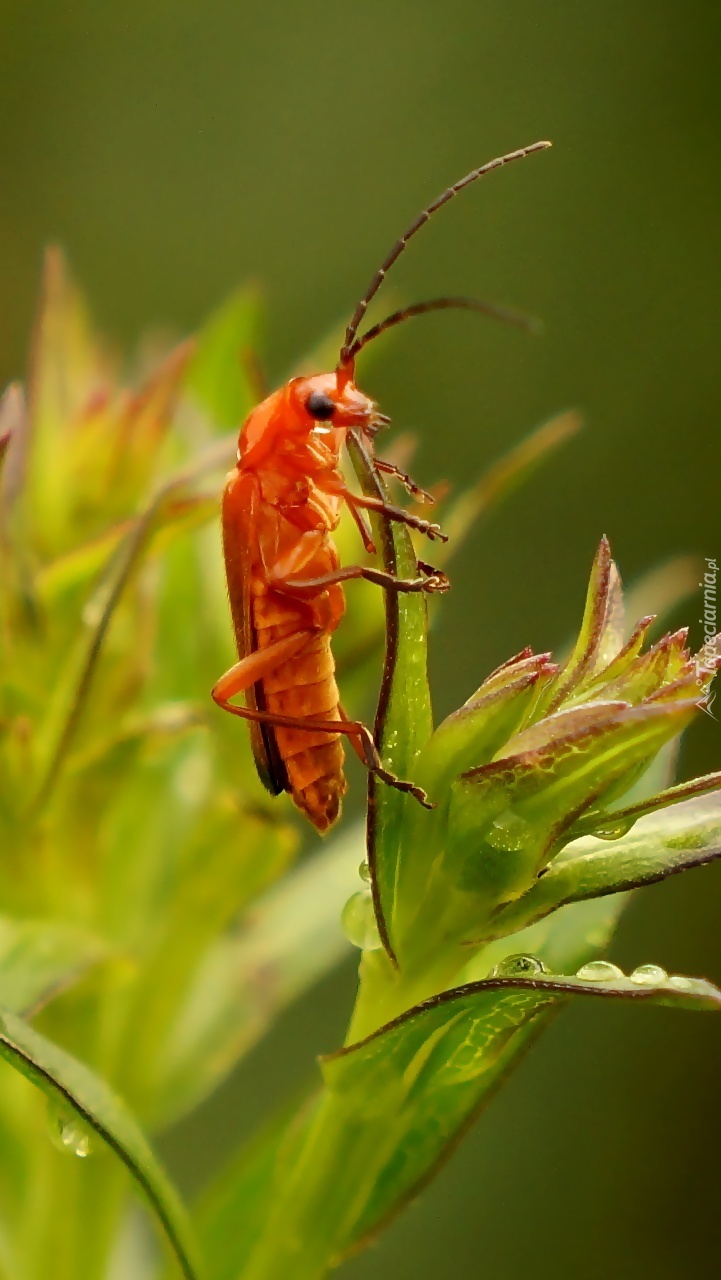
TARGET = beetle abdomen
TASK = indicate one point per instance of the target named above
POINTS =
(304, 688)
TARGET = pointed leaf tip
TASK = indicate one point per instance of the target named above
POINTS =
(593, 626)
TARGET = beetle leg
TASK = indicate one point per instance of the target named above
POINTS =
(256, 665)
(390, 469)
(429, 569)
(363, 529)
(363, 743)
(260, 663)
(433, 581)
(432, 531)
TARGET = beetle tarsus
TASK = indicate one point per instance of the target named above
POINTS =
(436, 579)
(399, 784)
(372, 759)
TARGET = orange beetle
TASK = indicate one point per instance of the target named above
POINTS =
(281, 506)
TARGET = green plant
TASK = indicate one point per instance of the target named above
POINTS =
(135, 837)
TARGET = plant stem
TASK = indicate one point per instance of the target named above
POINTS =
(385, 992)
(330, 1175)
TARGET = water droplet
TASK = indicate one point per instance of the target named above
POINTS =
(600, 971)
(518, 966)
(68, 1133)
(648, 975)
(680, 983)
(359, 922)
(364, 871)
(611, 830)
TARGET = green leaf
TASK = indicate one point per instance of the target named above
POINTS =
(472, 736)
(73, 685)
(396, 1103)
(404, 720)
(70, 1084)
(640, 677)
(507, 818)
(660, 845)
(79, 566)
(469, 737)
(601, 628)
(220, 375)
(607, 824)
(582, 931)
(67, 366)
(419, 1080)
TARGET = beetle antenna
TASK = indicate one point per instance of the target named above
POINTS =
(518, 318)
(346, 358)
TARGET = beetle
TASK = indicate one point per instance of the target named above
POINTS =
(281, 505)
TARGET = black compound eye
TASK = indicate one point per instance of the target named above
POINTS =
(320, 406)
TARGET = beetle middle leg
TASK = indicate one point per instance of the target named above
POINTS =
(431, 580)
(364, 530)
(286, 573)
(261, 663)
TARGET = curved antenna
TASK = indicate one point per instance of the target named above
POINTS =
(519, 318)
(345, 357)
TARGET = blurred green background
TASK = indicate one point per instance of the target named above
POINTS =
(177, 148)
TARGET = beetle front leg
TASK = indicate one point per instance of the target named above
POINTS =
(432, 531)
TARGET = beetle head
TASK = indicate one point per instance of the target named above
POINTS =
(325, 401)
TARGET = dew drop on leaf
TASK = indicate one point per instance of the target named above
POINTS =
(518, 966)
(364, 871)
(68, 1133)
(359, 922)
(600, 971)
(611, 830)
(648, 975)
